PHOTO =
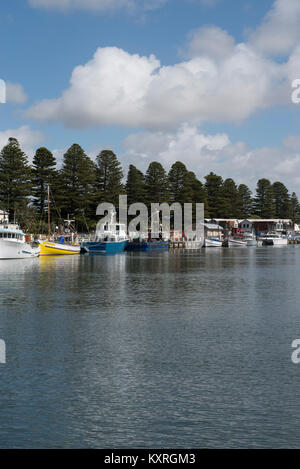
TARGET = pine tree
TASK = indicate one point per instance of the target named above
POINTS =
(156, 184)
(43, 174)
(109, 177)
(245, 202)
(197, 193)
(213, 186)
(135, 186)
(76, 191)
(264, 199)
(281, 200)
(179, 184)
(229, 194)
(197, 189)
(295, 208)
(15, 178)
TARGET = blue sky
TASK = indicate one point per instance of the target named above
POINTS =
(149, 91)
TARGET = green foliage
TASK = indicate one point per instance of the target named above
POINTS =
(264, 201)
(214, 186)
(109, 177)
(282, 204)
(245, 202)
(80, 185)
(15, 178)
(156, 184)
(295, 208)
(197, 194)
(135, 186)
(75, 190)
(229, 194)
(43, 174)
(179, 184)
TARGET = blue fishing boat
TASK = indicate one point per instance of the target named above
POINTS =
(109, 238)
(146, 246)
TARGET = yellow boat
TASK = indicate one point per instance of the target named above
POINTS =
(67, 246)
(49, 248)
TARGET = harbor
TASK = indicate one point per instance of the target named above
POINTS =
(149, 229)
(106, 351)
(111, 237)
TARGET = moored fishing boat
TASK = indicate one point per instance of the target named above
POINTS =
(13, 244)
(213, 243)
(63, 245)
(52, 248)
(110, 237)
(237, 243)
(273, 239)
(250, 239)
(146, 246)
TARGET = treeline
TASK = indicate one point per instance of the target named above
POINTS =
(81, 184)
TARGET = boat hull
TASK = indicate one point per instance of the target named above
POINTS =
(213, 243)
(147, 246)
(236, 243)
(57, 249)
(251, 242)
(104, 247)
(15, 250)
(275, 242)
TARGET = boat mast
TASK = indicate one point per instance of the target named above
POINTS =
(49, 212)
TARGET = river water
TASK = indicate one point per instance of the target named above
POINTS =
(170, 350)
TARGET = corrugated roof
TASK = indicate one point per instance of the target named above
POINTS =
(212, 226)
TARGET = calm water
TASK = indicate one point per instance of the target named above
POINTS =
(165, 350)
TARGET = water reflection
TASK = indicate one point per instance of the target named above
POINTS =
(179, 349)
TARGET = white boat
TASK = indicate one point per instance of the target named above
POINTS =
(213, 243)
(273, 239)
(13, 244)
(250, 239)
(237, 243)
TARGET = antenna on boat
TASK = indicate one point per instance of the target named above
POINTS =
(49, 234)
(113, 214)
(68, 221)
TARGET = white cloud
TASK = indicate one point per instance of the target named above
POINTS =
(96, 5)
(204, 153)
(279, 32)
(15, 93)
(29, 139)
(118, 88)
(219, 81)
(209, 41)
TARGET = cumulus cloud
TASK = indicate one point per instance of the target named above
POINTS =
(279, 32)
(118, 88)
(96, 5)
(209, 41)
(29, 139)
(204, 153)
(15, 93)
(218, 80)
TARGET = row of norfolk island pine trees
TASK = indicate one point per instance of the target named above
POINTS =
(81, 183)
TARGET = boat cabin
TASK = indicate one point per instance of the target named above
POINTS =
(111, 232)
(11, 234)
